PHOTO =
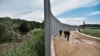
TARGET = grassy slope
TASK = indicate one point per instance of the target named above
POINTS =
(92, 32)
(32, 47)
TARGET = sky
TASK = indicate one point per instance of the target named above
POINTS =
(72, 12)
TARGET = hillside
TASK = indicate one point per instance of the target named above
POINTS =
(14, 29)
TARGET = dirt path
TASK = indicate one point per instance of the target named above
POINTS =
(77, 46)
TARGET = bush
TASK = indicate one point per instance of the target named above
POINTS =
(5, 34)
(32, 47)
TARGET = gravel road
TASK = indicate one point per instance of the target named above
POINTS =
(77, 45)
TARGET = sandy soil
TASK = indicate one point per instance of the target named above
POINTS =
(77, 46)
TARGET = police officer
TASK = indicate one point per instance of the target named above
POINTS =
(68, 35)
(60, 32)
(65, 34)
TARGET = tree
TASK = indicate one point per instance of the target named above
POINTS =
(24, 27)
(42, 25)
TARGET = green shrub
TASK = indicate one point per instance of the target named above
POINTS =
(5, 34)
(32, 47)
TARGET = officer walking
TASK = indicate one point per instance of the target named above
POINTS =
(68, 35)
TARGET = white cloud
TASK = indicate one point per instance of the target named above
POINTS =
(92, 22)
(4, 13)
(37, 15)
(73, 20)
(94, 13)
(25, 9)
(17, 8)
(60, 6)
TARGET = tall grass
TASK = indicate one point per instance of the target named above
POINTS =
(32, 47)
(92, 32)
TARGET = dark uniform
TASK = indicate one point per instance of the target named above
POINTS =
(65, 34)
(68, 35)
(60, 32)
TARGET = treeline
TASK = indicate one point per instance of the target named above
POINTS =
(97, 26)
(11, 29)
